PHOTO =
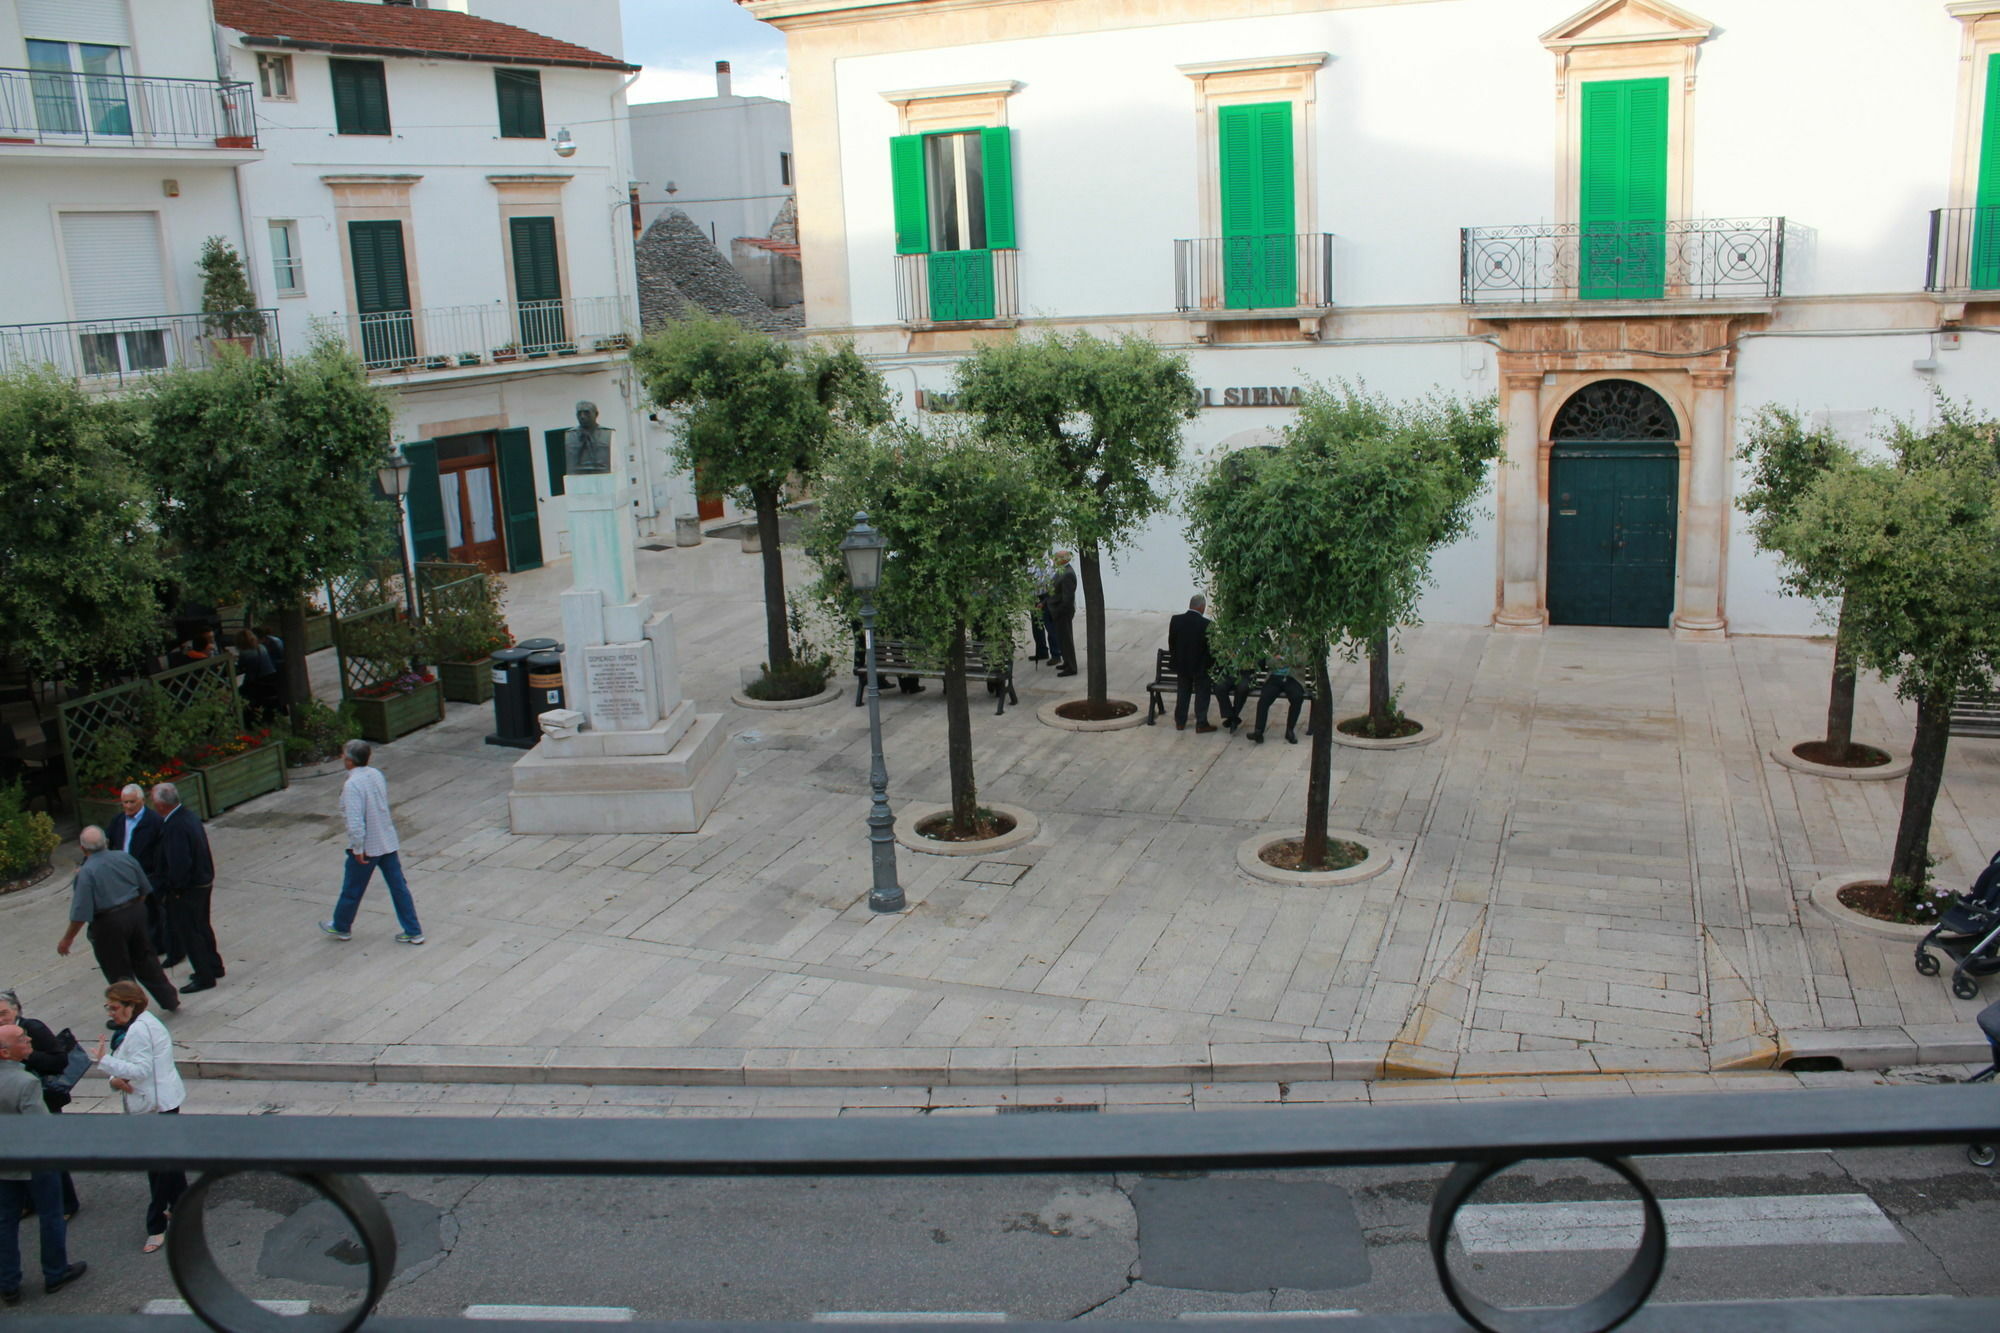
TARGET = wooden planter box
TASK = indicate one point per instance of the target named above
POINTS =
(319, 632)
(236, 779)
(466, 682)
(194, 795)
(384, 719)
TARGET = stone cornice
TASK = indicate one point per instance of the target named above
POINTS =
(1304, 60)
(1677, 26)
(989, 88)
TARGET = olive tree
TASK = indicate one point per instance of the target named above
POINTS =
(964, 522)
(1107, 417)
(756, 415)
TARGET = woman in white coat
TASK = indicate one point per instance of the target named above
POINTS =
(140, 1060)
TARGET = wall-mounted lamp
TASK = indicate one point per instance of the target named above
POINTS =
(565, 146)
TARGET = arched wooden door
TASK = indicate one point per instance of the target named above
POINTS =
(1614, 481)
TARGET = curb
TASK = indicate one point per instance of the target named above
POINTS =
(1048, 717)
(1431, 732)
(1026, 825)
(825, 696)
(1826, 897)
(1898, 765)
(1250, 861)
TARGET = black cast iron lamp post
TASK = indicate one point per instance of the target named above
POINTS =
(864, 549)
(393, 474)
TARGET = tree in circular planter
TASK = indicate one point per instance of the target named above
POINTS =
(964, 521)
(1327, 540)
(1917, 540)
(1108, 416)
(756, 415)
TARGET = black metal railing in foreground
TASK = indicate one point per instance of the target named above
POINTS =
(1691, 259)
(1964, 252)
(1480, 1138)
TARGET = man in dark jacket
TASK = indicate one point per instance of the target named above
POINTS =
(1189, 656)
(137, 832)
(1062, 615)
(186, 879)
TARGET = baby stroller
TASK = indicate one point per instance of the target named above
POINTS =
(1970, 932)
(1984, 1154)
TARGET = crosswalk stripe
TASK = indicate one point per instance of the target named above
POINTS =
(576, 1314)
(170, 1305)
(1788, 1219)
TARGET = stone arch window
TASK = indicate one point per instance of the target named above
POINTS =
(1615, 410)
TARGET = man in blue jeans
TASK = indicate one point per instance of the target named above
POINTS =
(21, 1094)
(371, 842)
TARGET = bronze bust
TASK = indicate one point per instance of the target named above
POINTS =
(587, 446)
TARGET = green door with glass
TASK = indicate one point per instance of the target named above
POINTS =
(1614, 507)
(1259, 245)
(1985, 266)
(954, 205)
(1622, 191)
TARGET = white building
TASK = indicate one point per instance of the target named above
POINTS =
(725, 161)
(1632, 221)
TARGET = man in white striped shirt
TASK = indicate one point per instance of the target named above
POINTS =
(371, 842)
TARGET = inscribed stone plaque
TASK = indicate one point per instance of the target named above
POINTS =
(618, 682)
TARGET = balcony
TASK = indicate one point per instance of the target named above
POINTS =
(102, 112)
(958, 287)
(108, 352)
(464, 337)
(1273, 275)
(1699, 259)
(1964, 251)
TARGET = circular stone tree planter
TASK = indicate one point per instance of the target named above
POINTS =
(1429, 733)
(1826, 897)
(825, 696)
(1898, 765)
(1026, 826)
(1250, 860)
(1048, 716)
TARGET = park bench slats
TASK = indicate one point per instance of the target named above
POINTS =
(983, 661)
(1976, 713)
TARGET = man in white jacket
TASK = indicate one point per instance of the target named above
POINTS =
(371, 842)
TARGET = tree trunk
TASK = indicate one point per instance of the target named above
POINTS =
(1093, 622)
(958, 737)
(777, 629)
(1319, 771)
(1911, 864)
(1840, 698)
(1380, 719)
(297, 682)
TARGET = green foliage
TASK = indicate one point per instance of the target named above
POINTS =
(465, 621)
(316, 732)
(1785, 458)
(226, 295)
(263, 470)
(156, 740)
(77, 539)
(808, 671)
(386, 639)
(26, 836)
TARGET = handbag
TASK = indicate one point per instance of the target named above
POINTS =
(79, 1064)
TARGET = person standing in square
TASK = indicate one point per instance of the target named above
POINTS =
(371, 842)
(21, 1094)
(187, 881)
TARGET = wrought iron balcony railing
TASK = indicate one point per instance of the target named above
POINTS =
(1699, 259)
(1480, 1138)
(55, 107)
(1964, 250)
(110, 351)
(500, 333)
(958, 287)
(1292, 272)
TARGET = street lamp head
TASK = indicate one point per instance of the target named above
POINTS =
(565, 146)
(393, 472)
(863, 549)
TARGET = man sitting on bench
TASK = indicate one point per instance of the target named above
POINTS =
(907, 684)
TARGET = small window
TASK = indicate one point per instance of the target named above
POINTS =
(520, 95)
(956, 191)
(274, 77)
(784, 168)
(360, 96)
(287, 269)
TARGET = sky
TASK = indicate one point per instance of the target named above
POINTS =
(679, 41)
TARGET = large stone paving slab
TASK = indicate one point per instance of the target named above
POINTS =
(1597, 867)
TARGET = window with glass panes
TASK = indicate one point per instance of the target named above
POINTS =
(287, 271)
(954, 204)
(274, 77)
(78, 88)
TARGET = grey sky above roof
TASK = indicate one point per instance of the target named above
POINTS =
(679, 41)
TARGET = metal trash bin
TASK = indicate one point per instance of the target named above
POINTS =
(513, 723)
(545, 682)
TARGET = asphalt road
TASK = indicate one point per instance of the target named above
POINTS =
(1799, 1225)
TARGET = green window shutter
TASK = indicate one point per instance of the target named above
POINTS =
(913, 212)
(1985, 274)
(520, 522)
(1257, 175)
(556, 451)
(360, 96)
(1622, 190)
(996, 154)
(519, 92)
(537, 282)
(961, 285)
(382, 292)
(424, 501)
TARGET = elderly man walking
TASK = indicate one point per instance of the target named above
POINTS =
(21, 1094)
(108, 896)
(187, 881)
(137, 831)
(371, 842)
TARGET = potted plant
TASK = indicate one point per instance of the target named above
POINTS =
(463, 627)
(613, 342)
(238, 767)
(437, 363)
(509, 352)
(26, 839)
(565, 349)
(402, 697)
(470, 359)
(228, 305)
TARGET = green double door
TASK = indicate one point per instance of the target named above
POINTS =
(1612, 516)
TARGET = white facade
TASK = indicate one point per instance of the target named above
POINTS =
(1849, 120)
(728, 159)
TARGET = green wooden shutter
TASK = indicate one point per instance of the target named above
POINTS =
(913, 212)
(520, 522)
(1622, 190)
(423, 501)
(1985, 275)
(961, 284)
(519, 92)
(1257, 176)
(360, 96)
(996, 155)
(382, 292)
(537, 283)
(556, 451)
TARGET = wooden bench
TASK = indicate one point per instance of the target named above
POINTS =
(1165, 684)
(1976, 713)
(982, 662)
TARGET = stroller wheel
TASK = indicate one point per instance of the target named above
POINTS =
(1981, 1154)
(1927, 966)
(1964, 987)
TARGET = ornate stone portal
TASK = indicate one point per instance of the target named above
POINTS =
(630, 754)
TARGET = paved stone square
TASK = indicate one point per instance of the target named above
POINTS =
(1598, 867)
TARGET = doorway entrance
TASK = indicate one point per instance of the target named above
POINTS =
(469, 486)
(1614, 482)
